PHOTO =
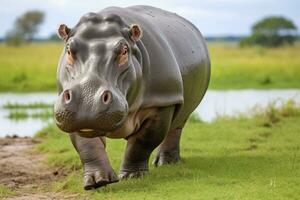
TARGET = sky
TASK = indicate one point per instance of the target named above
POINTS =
(212, 17)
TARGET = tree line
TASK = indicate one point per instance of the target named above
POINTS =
(272, 31)
(26, 28)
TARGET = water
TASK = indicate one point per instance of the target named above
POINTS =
(215, 103)
(26, 127)
(232, 102)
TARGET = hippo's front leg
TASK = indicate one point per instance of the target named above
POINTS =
(97, 169)
(141, 144)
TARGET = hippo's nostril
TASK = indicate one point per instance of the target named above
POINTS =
(106, 97)
(67, 96)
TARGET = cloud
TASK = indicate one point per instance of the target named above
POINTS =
(213, 17)
(59, 3)
(198, 13)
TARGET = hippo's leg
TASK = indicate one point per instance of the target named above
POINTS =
(168, 151)
(141, 144)
(97, 169)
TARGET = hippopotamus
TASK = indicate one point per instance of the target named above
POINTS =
(135, 73)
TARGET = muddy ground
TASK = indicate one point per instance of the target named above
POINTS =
(26, 173)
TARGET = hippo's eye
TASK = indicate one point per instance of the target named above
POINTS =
(123, 55)
(124, 50)
(70, 56)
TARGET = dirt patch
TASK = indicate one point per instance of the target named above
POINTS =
(48, 196)
(24, 171)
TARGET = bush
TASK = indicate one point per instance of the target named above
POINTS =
(272, 32)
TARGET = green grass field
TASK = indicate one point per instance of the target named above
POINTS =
(231, 158)
(33, 67)
(29, 68)
(254, 67)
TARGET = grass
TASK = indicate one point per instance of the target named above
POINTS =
(30, 67)
(254, 67)
(23, 114)
(21, 111)
(194, 118)
(256, 157)
(5, 191)
(34, 105)
(33, 67)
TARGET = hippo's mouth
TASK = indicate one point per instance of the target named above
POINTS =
(90, 132)
(87, 132)
(94, 127)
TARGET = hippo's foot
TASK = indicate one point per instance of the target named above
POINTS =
(132, 174)
(166, 157)
(168, 150)
(98, 178)
(133, 170)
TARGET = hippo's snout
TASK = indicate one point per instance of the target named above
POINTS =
(105, 98)
(90, 112)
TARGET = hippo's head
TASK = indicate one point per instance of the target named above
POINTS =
(97, 74)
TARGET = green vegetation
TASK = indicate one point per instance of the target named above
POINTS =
(29, 68)
(33, 67)
(272, 31)
(25, 28)
(21, 111)
(35, 105)
(24, 114)
(246, 157)
(5, 191)
(254, 67)
(194, 118)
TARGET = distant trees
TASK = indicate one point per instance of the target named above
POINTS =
(272, 32)
(54, 38)
(26, 27)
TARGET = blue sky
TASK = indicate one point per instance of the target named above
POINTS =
(212, 17)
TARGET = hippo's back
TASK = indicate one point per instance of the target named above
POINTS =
(176, 50)
(182, 36)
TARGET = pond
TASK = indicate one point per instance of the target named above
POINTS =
(215, 103)
(25, 126)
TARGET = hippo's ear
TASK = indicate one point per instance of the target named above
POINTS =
(135, 32)
(63, 32)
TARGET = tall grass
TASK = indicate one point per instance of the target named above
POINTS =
(24, 114)
(34, 105)
(254, 67)
(21, 111)
(33, 67)
(30, 67)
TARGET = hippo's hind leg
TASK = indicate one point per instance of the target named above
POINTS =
(97, 169)
(141, 144)
(168, 151)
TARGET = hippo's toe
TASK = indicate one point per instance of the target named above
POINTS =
(98, 179)
(134, 174)
(166, 157)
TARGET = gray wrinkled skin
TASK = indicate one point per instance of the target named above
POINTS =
(152, 95)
